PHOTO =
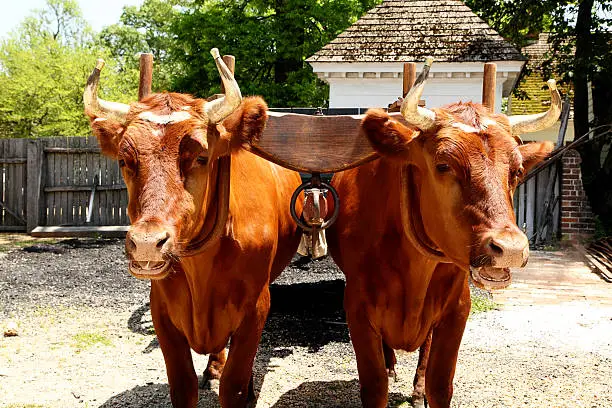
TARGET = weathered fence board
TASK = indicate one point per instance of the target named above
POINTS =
(76, 168)
(13, 162)
(49, 183)
(536, 206)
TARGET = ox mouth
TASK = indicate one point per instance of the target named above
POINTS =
(486, 277)
(149, 269)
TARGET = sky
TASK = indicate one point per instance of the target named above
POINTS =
(98, 13)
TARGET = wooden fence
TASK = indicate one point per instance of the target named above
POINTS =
(537, 205)
(13, 160)
(60, 184)
(64, 186)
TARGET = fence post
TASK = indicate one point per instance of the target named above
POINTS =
(408, 77)
(489, 86)
(34, 183)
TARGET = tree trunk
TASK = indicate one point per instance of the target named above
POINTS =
(584, 51)
(289, 56)
(596, 168)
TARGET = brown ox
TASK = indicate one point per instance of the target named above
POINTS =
(209, 250)
(435, 209)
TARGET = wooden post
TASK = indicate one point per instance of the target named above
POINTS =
(146, 75)
(34, 183)
(409, 77)
(489, 85)
(230, 61)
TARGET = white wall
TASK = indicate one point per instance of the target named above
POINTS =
(380, 92)
(378, 84)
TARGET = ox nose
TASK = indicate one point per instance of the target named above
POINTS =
(507, 248)
(147, 243)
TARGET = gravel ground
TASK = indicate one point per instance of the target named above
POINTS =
(86, 340)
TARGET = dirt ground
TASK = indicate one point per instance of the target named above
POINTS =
(86, 339)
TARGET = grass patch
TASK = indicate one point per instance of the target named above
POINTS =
(481, 303)
(85, 340)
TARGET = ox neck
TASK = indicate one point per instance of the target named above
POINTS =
(216, 211)
(412, 221)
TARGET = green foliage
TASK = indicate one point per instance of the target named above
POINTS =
(270, 40)
(482, 303)
(44, 66)
(86, 340)
(145, 29)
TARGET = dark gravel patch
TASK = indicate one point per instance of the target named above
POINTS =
(87, 272)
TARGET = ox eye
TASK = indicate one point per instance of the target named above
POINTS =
(442, 168)
(121, 163)
(518, 174)
(203, 160)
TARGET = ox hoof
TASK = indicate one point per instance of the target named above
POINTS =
(211, 384)
(419, 403)
(392, 374)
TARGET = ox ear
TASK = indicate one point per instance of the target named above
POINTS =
(247, 123)
(109, 134)
(387, 136)
(534, 153)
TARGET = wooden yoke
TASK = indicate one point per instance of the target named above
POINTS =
(314, 144)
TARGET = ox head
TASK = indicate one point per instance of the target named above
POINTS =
(174, 152)
(460, 166)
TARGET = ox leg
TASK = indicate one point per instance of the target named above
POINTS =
(446, 339)
(236, 389)
(182, 377)
(214, 368)
(390, 361)
(418, 393)
(368, 345)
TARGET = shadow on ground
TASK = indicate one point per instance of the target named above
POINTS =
(320, 394)
(307, 315)
(156, 396)
(303, 314)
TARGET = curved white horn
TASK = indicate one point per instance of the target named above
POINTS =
(422, 118)
(532, 123)
(221, 108)
(95, 106)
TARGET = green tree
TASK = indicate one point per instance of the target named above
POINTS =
(44, 66)
(145, 29)
(269, 38)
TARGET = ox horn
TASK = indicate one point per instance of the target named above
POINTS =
(532, 123)
(219, 109)
(422, 118)
(95, 106)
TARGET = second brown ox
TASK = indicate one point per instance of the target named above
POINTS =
(209, 250)
(435, 209)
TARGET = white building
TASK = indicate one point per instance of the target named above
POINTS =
(363, 65)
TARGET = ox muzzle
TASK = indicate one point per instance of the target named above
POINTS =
(498, 251)
(148, 248)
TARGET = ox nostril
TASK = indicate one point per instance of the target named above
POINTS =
(130, 244)
(495, 248)
(163, 241)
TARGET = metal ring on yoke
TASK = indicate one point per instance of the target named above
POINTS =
(327, 223)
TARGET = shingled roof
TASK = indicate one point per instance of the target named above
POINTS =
(410, 30)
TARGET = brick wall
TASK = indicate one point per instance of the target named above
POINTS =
(577, 221)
